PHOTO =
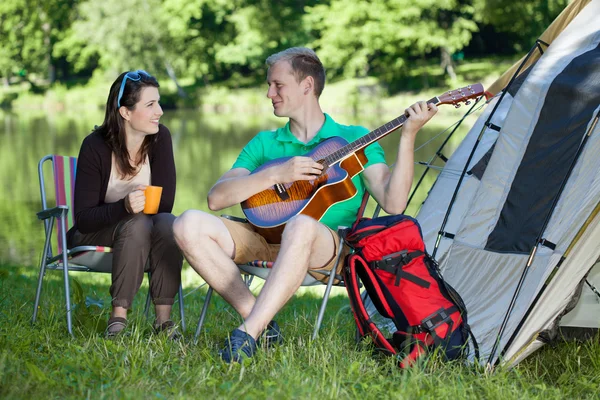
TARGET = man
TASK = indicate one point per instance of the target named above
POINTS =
(214, 245)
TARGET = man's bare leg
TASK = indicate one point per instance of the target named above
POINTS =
(208, 247)
(305, 242)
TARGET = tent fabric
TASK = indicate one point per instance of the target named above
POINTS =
(550, 151)
(433, 210)
(557, 295)
(499, 213)
(553, 30)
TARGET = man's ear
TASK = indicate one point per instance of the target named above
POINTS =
(309, 84)
(124, 111)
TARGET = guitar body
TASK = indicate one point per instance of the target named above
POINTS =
(268, 213)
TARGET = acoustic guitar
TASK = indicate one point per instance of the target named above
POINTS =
(269, 210)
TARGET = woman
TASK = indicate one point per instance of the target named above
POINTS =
(129, 151)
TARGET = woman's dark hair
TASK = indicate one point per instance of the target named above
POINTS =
(113, 127)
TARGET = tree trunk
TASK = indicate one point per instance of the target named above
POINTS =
(47, 28)
(447, 64)
(173, 77)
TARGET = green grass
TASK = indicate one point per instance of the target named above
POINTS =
(44, 362)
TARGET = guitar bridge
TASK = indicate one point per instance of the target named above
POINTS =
(281, 191)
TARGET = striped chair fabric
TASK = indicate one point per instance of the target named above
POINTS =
(64, 170)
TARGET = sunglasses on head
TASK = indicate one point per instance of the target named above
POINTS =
(132, 76)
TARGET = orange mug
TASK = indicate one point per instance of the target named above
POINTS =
(152, 194)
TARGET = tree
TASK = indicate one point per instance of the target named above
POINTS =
(29, 30)
(379, 36)
(121, 35)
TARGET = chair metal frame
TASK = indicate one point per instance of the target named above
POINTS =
(250, 271)
(77, 259)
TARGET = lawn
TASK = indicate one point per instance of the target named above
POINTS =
(42, 361)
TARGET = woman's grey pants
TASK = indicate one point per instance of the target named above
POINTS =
(140, 243)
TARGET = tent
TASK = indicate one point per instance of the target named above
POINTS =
(514, 217)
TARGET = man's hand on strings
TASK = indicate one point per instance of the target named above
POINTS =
(418, 115)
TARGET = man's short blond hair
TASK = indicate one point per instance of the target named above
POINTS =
(304, 62)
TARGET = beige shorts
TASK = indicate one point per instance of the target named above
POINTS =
(251, 246)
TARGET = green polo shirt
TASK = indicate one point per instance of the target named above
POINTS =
(269, 145)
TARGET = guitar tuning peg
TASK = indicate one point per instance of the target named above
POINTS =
(468, 102)
(457, 106)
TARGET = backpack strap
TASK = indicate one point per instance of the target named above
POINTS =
(393, 264)
(437, 318)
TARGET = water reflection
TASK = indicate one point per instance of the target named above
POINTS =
(205, 146)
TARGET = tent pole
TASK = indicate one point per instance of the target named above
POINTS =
(592, 288)
(437, 153)
(535, 246)
(485, 125)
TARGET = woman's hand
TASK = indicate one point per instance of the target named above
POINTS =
(136, 200)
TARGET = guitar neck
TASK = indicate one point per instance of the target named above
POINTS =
(370, 137)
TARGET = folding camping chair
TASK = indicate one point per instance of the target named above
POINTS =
(80, 258)
(262, 269)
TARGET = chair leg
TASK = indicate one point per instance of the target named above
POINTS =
(203, 314)
(181, 311)
(323, 304)
(42, 273)
(66, 276)
(328, 291)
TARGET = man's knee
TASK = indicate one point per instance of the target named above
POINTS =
(301, 227)
(191, 227)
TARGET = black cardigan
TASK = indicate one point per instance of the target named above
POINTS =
(91, 214)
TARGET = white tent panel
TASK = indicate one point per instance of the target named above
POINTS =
(432, 212)
(587, 312)
(487, 285)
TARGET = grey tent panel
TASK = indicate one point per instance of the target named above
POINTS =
(550, 152)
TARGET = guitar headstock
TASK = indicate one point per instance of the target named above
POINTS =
(464, 94)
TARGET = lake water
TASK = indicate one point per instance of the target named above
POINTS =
(205, 147)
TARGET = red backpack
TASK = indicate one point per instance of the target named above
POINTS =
(405, 285)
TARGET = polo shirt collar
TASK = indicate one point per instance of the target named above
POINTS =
(329, 129)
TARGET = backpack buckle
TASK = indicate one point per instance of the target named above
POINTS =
(390, 259)
(436, 319)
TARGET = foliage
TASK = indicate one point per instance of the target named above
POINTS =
(523, 20)
(29, 30)
(123, 35)
(212, 41)
(380, 37)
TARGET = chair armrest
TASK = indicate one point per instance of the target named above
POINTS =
(56, 212)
